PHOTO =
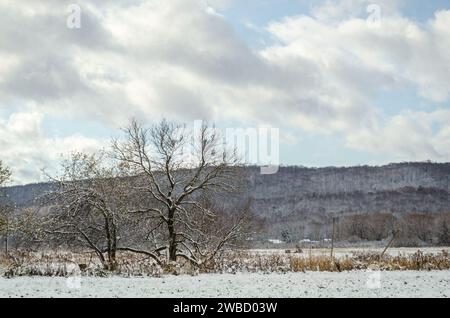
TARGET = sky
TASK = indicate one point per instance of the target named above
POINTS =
(346, 82)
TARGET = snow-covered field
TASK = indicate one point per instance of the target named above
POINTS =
(350, 251)
(311, 284)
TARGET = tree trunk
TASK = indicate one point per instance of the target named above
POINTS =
(7, 237)
(114, 248)
(172, 236)
(111, 239)
(6, 244)
(102, 260)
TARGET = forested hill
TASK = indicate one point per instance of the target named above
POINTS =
(290, 180)
(404, 187)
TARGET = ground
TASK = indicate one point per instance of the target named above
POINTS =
(311, 284)
(247, 285)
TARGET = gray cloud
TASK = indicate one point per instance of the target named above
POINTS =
(181, 59)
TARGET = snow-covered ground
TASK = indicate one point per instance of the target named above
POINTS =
(350, 251)
(311, 284)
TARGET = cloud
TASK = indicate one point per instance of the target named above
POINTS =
(398, 51)
(182, 59)
(337, 11)
(408, 136)
(353, 62)
(27, 149)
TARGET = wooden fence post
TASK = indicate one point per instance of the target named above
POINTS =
(394, 234)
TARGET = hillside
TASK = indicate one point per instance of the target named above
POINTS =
(297, 196)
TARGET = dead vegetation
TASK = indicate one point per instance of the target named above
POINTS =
(54, 264)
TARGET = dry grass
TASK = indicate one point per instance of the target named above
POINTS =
(63, 264)
(67, 264)
(242, 262)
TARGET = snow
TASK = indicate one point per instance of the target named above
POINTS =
(350, 251)
(308, 241)
(310, 284)
(273, 241)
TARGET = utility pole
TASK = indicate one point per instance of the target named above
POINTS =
(332, 237)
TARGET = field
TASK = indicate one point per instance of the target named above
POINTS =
(350, 251)
(404, 272)
(311, 284)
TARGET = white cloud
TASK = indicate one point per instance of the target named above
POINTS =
(408, 136)
(27, 149)
(354, 62)
(333, 11)
(399, 51)
(181, 59)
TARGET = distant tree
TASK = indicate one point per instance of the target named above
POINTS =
(421, 226)
(5, 210)
(357, 225)
(7, 225)
(5, 173)
(444, 233)
(380, 226)
(286, 236)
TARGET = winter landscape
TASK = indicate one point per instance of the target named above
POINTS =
(224, 149)
(234, 281)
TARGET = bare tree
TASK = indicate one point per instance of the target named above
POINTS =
(380, 225)
(7, 225)
(91, 205)
(444, 233)
(356, 225)
(5, 173)
(19, 227)
(420, 225)
(5, 210)
(206, 235)
(175, 170)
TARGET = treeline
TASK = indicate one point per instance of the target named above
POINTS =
(366, 179)
(410, 229)
(414, 229)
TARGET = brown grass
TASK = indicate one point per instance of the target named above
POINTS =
(246, 262)
(63, 264)
(67, 264)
